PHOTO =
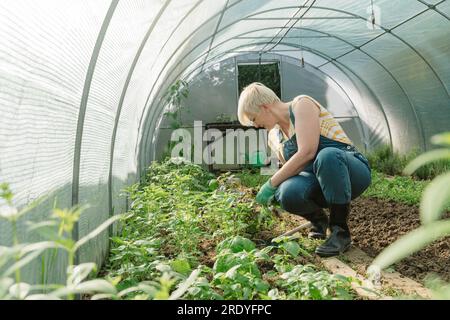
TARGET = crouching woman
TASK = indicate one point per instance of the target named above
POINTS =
(321, 166)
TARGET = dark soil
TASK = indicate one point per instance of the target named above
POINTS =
(376, 223)
(207, 247)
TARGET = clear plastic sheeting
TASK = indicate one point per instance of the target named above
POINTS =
(45, 50)
(349, 25)
(126, 29)
(82, 85)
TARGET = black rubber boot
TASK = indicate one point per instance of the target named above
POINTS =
(339, 240)
(319, 221)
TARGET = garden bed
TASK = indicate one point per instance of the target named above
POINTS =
(188, 229)
(385, 212)
(376, 223)
(191, 235)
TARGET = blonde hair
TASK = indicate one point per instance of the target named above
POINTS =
(252, 98)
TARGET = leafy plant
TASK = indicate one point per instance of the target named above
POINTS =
(305, 282)
(173, 97)
(236, 244)
(202, 289)
(251, 179)
(236, 271)
(56, 231)
(385, 160)
(182, 217)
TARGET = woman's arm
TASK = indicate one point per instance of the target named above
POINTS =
(307, 129)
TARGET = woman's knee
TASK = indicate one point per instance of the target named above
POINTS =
(361, 182)
(294, 197)
(288, 198)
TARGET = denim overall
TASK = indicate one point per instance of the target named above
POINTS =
(337, 174)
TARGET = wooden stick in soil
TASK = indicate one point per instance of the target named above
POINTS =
(290, 232)
(295, 230)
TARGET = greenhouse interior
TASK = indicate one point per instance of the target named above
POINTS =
(98, 200)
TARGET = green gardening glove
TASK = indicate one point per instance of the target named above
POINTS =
(266, 194)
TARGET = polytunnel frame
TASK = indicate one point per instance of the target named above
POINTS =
(310, 50)
(97, 48)
(434, 7)
(329, 59)
(323, 56)
(82, 114)
(278, 59)
(215, 31)
(122, 99)
(386, 30)
(322, 8)
(287, 23)
(83, 106)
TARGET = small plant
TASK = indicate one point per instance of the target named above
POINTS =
(56, 231)
(236, 272)
(81, 278)
(173, 98)
(252, 179)
(305, 282)
(385, 160)
(182, 217)
(398, 188)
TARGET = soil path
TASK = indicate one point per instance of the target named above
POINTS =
(376, 223)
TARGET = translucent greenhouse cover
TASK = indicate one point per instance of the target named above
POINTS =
(82, 84)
